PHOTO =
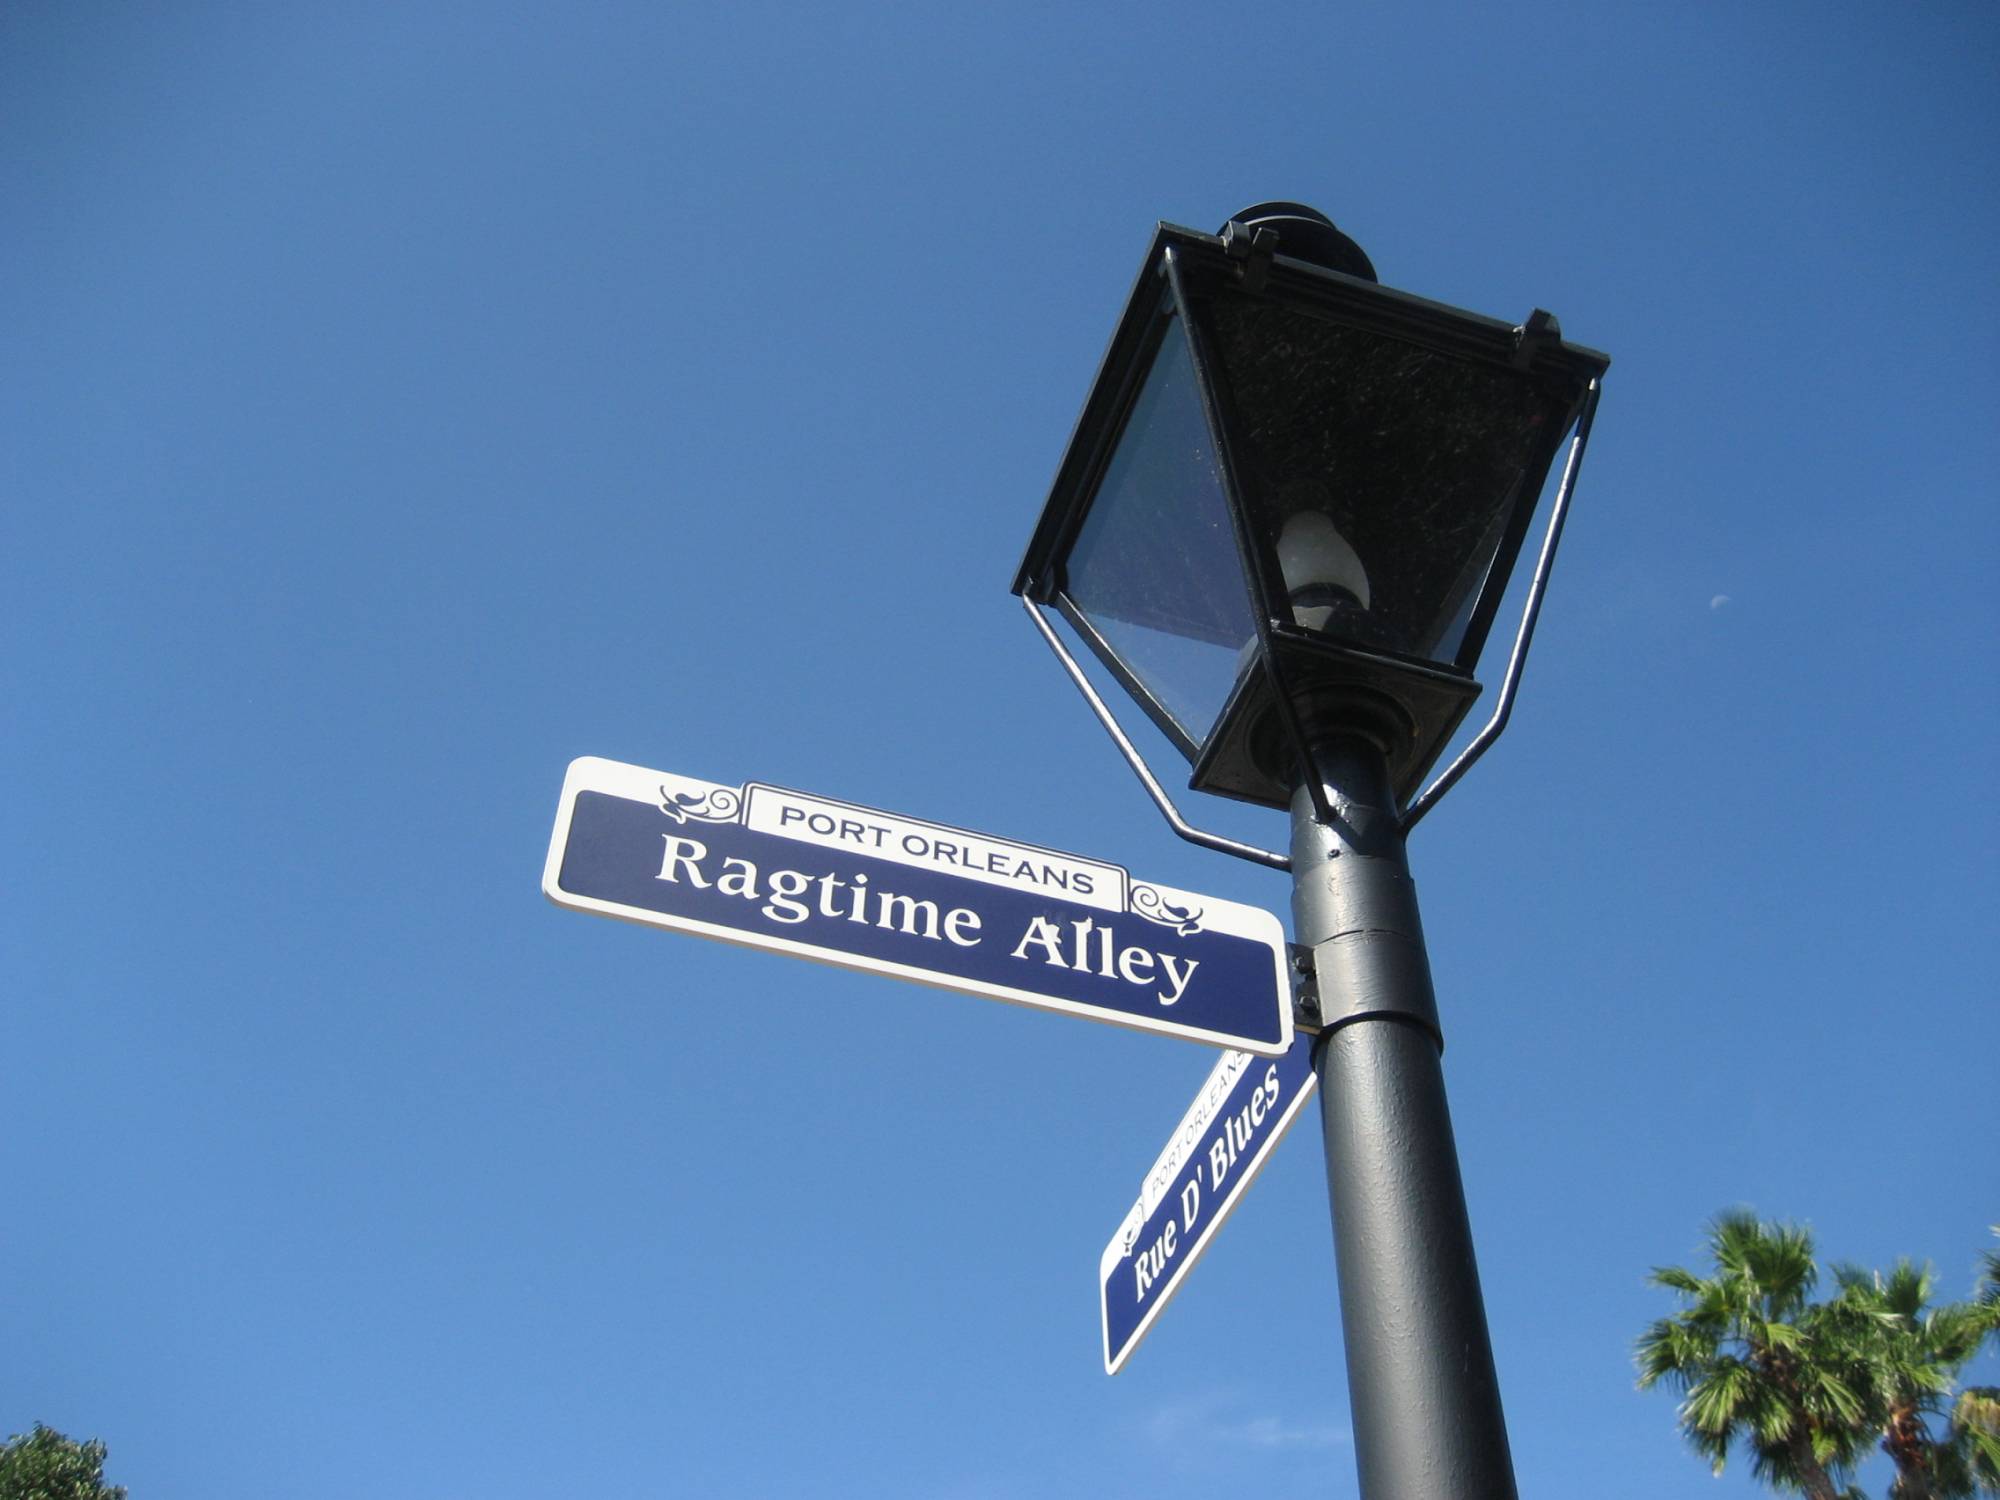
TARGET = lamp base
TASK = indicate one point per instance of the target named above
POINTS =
(1410, 710)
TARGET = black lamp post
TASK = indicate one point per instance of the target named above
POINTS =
(1284, 525)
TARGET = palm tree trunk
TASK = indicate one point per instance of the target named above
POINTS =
(1907, 1442)
(1813, 1478)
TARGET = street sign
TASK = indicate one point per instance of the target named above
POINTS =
(1241, 1113)
(804, 875)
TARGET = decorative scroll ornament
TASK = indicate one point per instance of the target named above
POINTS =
(1150, 904)
(717, 805)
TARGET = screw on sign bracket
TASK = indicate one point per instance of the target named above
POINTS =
(1306, 1015)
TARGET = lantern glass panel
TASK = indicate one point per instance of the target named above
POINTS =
(1382, 476)
(1155, 569)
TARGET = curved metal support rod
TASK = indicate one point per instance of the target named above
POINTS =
(1428, 798)
(1125, 747)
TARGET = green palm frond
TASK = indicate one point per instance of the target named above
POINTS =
(1780, 1336)
(1810, 1387)
(1975, 1422)
(1713, 1446)
(1834, 1400)
(1770, 1415)
(1676, 1279)
(1717, 1402)
(1907, 1290)
(1978, 1407)
(1669, 1350)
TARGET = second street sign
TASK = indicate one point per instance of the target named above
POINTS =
(800, 874)
(1228, 1133)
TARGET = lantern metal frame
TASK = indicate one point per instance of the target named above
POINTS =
(1183, 267)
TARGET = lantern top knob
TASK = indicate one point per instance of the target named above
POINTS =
(1307, 234)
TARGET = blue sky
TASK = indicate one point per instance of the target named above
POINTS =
(402, 400)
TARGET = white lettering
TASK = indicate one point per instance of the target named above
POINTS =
(1177, 977)
(1152, 1260)
(1083, 931)
(911, 906)
(1042, 932)
(833, 898)
(828, 884)
(684, 852)
(786, 885)
(1135, 966)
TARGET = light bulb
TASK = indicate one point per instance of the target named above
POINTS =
(1322, 571)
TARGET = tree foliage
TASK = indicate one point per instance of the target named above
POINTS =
(1913, 1353)
(1756, 1362)
(45, 1465)
(1808, 1387)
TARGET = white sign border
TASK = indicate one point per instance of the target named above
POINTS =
(637, 783)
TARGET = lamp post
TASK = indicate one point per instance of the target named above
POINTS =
(1283, 526)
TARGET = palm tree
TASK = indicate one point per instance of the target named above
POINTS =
(1972, 1451)
(1912, 1353)
(1974, 1443)
(1756, 1360)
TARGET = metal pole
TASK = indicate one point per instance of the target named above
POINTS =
(1421, 1383)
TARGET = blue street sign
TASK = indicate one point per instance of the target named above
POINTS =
(1241, 1113)
(799, 874)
